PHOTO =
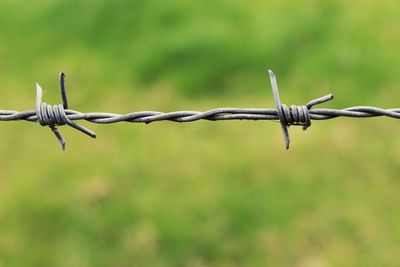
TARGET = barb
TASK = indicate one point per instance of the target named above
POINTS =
(295, 115)
(59, 115)
(53, 116)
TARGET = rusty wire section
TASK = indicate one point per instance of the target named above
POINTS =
(58, 115)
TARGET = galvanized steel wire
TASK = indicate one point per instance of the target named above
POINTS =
(58, 115)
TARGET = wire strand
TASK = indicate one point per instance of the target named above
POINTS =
(57, 115)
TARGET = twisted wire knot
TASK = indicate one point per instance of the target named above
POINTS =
(53, 116)
(295, 115)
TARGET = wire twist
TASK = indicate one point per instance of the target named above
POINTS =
(58, 115)
(295, 115)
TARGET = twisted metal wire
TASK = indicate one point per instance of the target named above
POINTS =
(58, 115)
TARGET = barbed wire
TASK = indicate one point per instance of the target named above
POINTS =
(58, 115)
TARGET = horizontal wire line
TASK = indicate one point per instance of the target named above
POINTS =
(58, 115)
(213, 115)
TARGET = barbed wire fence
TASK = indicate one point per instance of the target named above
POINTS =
(58, 115)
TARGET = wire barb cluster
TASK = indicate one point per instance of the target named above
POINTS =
(58, 115)
(295, 115)
(53, 116)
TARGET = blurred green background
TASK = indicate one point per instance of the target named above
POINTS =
(204, 193)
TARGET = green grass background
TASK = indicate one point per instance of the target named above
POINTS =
(205, 193)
